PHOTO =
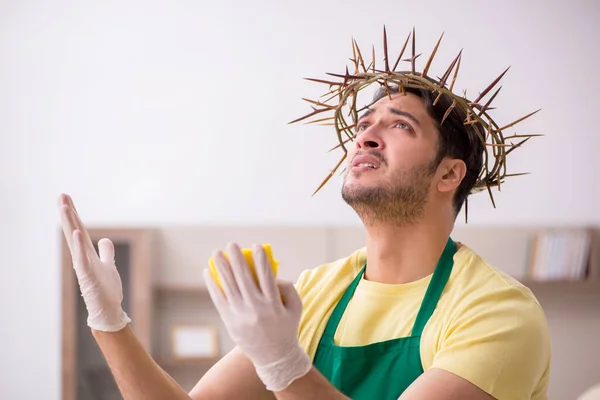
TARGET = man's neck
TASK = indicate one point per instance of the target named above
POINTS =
(402, 254)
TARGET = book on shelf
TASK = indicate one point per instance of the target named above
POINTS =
(561, 254)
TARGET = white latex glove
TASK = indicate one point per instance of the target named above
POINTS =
(98, 278)
(592, 393)
(263, 326)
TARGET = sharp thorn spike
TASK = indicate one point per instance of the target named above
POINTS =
(431, 57)
(517, 121)
(414, 57)
(385, 50)
(491, 85)
(402, 51)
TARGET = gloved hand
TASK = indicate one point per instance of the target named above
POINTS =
(98, 278)
(263, 326)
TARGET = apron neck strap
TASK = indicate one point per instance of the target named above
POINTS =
(436, 287)
(338, 311)
(432, 295)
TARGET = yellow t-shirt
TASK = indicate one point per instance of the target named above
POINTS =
(487, 328)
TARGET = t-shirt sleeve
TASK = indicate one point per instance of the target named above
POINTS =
(299, 284)
(499, 342)
(304, 333)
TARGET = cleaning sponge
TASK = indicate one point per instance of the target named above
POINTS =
(249, 259)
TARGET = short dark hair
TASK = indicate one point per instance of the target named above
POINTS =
(456, 139)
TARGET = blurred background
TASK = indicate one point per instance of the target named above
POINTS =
(168, 124)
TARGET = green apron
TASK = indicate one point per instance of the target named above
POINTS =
(381, 370)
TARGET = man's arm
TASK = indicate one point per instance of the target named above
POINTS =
(443, 385)
(312, 386)
(139, 377)
(135, 372)
(232, 377)
(433, 384)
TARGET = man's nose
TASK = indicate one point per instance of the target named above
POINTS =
(369, 138)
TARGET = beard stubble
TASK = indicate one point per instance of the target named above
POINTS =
(400, 199)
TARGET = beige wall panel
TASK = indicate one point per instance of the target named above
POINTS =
(182, 253)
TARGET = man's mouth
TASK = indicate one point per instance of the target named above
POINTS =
(365, 162)
(366, 165)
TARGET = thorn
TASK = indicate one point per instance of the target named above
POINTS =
(428, 63)
(456, 72)
(333, 94)
(345, 79)
(486, 106)
(413, 58)
(385, 50)
(339, 145)
(309, 115)
(346, 76)
(355, 59)
(319, 104)
(516, 146)
(387, 91)
(490, 86)
(330, 174)
(446, 75)
(360, 58)
(447, 113)
(316, 121)
(373, 62)
(517, 174)
(517, 121)
(499, 144)
(524, 135)
(491, 195)
(323, 81)
(348, 127)
(402, 51)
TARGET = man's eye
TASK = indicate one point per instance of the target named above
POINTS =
(403, 125)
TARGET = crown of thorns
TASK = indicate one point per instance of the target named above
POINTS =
(341, 101)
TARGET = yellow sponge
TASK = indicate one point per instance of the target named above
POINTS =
(248, 255)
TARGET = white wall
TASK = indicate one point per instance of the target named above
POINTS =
(146, 112)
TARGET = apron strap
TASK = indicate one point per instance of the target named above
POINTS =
(338, 311)
(436, 287)
(432, 295)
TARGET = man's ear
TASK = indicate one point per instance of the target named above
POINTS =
(452, 173)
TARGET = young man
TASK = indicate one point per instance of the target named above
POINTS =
(412, 316)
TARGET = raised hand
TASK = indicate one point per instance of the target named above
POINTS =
(98, 278)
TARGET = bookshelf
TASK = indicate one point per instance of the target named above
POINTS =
(564, 255)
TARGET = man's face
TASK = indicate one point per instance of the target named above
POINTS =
(391, 163)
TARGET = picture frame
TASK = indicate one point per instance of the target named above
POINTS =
(192, 342)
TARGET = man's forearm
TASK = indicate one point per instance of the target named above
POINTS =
(136, 373)
(312, 386)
